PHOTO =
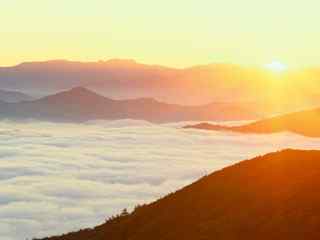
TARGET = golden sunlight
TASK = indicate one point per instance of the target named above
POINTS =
(276, 66)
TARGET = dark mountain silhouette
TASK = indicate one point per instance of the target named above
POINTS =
(268, 197)
(305, 123)
(123, 79)
(13, 96)
(81, 104)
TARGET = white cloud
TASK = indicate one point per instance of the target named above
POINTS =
(55, 178)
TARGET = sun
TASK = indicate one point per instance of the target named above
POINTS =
(276, 66)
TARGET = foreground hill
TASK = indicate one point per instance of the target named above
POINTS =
(268, 197)
(80, 104)
(305, 123)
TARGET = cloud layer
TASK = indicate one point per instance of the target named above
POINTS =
(55, 178)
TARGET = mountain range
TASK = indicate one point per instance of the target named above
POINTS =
(80, 104)
(268, 197)
(304, 122)
(14, 96)
(124, 79)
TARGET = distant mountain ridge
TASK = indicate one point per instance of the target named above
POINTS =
(14, 96)
(80, 104)
(304, 123)
(125, 78)
(268, 197)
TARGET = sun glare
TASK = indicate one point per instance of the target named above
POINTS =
(276, 66)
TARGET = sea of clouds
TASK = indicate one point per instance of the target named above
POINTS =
(55, 178)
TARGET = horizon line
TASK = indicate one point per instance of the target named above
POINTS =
(138, 62)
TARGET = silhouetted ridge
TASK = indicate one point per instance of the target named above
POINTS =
(127, 79)
(81, 104)
(78, 91)
(305, 123)
(269, 197)
(78, 95)
(121, 62)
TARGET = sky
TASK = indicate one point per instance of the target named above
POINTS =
(168, 32)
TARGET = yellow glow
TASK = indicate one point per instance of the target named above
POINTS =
(168, 32)
(276, 66)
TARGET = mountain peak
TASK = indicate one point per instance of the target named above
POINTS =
(117, 61)
(121, 63)
(80, 89)
(80, 95)
(80, 92)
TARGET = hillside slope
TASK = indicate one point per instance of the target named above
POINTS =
(305, 123)
(268, 197)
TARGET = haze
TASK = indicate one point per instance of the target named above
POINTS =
(117, 112)
(173, 33)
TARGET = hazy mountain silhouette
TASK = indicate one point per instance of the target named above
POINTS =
(123, 79)
(81, 104)
(13, 96)
(305, 123)
(268, 197)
